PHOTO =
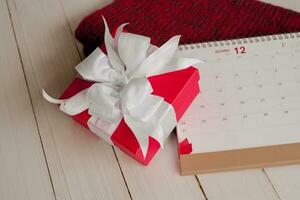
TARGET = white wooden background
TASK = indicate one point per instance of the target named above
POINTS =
(45, 155)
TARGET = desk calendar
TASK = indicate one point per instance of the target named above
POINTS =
(248, 111)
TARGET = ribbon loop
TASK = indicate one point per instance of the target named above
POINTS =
(96, 68)
(137, 100)
(72, 106)
(135, 91)
(133, 50)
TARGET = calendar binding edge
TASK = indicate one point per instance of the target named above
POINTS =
(255, 39)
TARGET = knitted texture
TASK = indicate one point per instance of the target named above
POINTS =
(195, 20)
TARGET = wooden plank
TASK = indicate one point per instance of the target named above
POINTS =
(81, 165)
(286, 181)
(160, 179)
(243, 184)
(23, 168)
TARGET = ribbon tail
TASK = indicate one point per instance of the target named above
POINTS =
(144, 143)
(158, 125)
(138, 129)
(72, 106)
(143, 130)
(51, 99)
(158, 59)
(159, 135)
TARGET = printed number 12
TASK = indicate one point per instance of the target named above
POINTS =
(240, 50)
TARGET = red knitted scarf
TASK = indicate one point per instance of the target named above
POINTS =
(195, 20)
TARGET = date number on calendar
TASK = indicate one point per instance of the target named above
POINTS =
(240, 50)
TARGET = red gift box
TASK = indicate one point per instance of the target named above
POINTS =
(178, 88)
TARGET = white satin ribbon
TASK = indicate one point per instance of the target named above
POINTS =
(121, 89)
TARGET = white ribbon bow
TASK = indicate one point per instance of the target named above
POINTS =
(121, 88)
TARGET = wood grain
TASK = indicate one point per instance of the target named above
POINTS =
(161, 179)
(243, 184)
(286, 181)
(23, 170)
(81, 165)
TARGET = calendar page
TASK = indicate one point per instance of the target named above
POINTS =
(250, 94)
